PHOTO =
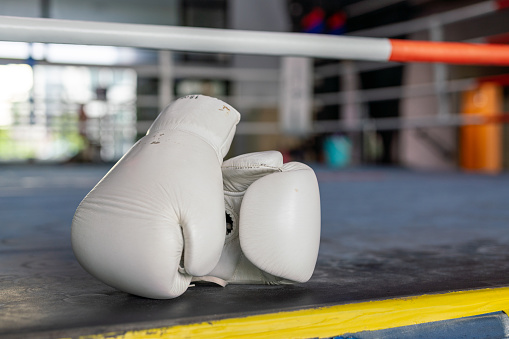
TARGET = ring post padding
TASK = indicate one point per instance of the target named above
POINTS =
(449, 52)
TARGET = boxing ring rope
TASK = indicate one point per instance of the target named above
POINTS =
(210, 40)
(191, 39)
(444, 18)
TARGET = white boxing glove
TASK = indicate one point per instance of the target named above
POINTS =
(157, 218)
(274, 221)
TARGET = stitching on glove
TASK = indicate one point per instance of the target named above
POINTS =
(253, 167)
(175, 128)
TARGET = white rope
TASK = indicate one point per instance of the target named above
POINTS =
(192, 39)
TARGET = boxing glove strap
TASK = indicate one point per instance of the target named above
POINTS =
(207, 278)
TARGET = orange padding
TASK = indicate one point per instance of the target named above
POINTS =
(449, 52)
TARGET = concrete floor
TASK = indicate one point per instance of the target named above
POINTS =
(385, 233)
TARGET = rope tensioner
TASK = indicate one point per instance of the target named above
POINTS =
(210, 40)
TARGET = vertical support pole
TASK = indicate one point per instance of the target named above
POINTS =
(45, 7)
(296, 91)
(165, 94)
(352, 111)
(440, 72)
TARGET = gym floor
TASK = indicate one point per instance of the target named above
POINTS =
(386, 233)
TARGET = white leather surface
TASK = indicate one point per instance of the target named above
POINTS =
(240, 172)
(279, 228)
(163, 197)
(280, 223)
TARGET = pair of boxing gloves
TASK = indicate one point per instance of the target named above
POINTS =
(156, 221)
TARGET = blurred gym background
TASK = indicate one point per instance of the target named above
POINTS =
(386, 231)
(74, 103)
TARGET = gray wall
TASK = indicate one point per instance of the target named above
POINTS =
(129, 11)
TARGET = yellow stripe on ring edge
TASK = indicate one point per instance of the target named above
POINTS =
(336, 320)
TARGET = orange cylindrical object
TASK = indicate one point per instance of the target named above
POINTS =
(449, 52)
(481, 145)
